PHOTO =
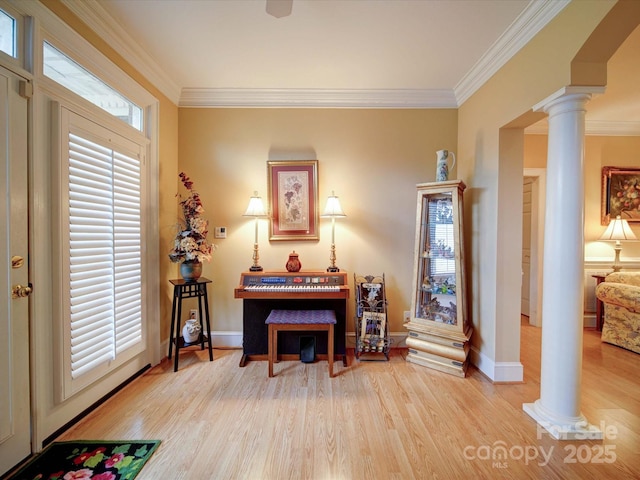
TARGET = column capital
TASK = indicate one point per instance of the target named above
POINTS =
(585, 92)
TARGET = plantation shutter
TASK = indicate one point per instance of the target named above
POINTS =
(104, 253)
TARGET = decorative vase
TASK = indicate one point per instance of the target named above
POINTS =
(191, 331)
(293, 264)
(442, 165)
(190, 270)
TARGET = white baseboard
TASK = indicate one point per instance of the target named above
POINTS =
(234, 340)
(226, 339)
(508, 372)
(589, 320)
(218, 339)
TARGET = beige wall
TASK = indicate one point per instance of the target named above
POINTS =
(606, 152)
(535, 151)
(600, 151)
(372, 159)
(541, 68)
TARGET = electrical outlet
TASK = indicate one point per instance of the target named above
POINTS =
(406, 316)
(193, 314)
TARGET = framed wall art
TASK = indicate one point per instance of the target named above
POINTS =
(293, 193)
(620, 194)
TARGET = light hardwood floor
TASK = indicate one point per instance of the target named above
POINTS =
(374, 420)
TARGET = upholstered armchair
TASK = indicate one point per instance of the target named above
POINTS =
(620, 293)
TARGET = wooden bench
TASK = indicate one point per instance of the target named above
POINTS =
(300, 320)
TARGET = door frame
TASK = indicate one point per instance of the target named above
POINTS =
(538, 205)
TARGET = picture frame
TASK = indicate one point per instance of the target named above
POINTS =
(372, 330)
(293, 196)
(620, 194)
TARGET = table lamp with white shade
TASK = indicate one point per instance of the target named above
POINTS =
(618, 231)
(333, 210)
(255, 210)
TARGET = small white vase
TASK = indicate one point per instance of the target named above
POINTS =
(191, 331)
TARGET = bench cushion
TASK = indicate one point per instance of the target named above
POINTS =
(301, 317)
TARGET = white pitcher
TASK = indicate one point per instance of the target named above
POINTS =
(442, 167)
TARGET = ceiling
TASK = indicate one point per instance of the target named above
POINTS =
(384, 53)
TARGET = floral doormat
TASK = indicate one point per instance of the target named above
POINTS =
(89, 459)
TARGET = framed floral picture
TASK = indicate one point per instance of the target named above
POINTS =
(620, 194)
(293, 194)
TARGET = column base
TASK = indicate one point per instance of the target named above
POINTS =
(562, 428)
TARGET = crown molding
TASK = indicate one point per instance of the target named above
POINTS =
(612, 129)
(97, 18)
(533, 18)
(315, 98)
(593, 128)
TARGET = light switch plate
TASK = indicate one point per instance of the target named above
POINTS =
(220, 232)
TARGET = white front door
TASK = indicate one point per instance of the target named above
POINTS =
(15, 437)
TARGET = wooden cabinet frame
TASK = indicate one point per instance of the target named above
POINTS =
(439, 328)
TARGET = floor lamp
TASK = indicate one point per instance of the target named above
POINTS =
(333, 210)
(618, 230)
(255, 210)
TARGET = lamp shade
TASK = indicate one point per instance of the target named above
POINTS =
(256, 207)
(333, 208)
(618, 229)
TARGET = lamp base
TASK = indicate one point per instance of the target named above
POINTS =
(333, 269)
(256, 268)
(616, 262)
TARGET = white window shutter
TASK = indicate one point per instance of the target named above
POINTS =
(127, 251)
(104, 231)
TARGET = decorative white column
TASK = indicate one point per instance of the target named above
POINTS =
(558, 409)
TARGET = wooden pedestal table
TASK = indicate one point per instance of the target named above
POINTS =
(182, 290)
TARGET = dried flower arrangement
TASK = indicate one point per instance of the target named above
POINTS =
(190, 243)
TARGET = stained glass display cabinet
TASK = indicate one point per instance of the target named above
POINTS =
(439, 330)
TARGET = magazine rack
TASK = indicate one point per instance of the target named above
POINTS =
(372, 332)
